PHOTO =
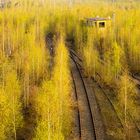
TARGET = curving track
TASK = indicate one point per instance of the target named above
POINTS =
(90, 127)
(76, 63)
(136, 80)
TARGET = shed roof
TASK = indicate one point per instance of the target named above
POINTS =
(97, 19)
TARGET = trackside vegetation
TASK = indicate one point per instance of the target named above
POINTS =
(53, 102)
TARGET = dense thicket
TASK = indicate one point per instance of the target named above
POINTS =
(26, 82)
(53, 102)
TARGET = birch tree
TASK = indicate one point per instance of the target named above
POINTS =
(53, 101)
(127, 94)
(4, 114)
(61, 80)
(90, 56)
(13, 93)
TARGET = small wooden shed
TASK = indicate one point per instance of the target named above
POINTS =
(98, 22)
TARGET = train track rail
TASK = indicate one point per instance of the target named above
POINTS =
(136, 80)
(77, 110)
(89, 126)
(87, 129)
(108, 98)
(137, 77)
(110, 102)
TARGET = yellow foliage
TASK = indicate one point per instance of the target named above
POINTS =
(24, 58)
(53, 101)
(61, 78)
(10, 108)
(90, 56)
(4, 114)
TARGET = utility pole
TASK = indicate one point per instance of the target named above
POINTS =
(113, 2)
(71, 2)
(54, 3)
(113, 17)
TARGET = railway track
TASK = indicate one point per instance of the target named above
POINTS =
(110, 102)
(108, 98)
(89, 127)
(114, 108)
(77, 120)
(136, 77)
(136, 80)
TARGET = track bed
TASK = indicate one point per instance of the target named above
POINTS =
(90, 124)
